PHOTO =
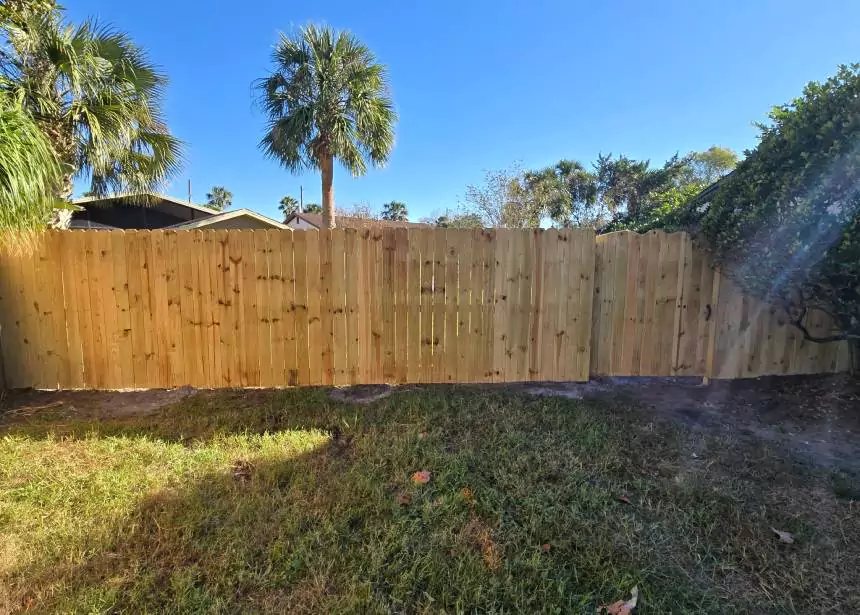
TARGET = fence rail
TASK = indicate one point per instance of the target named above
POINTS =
(147, 309)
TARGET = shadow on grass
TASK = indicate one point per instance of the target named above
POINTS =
(523, 513)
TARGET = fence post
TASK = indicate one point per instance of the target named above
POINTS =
(712, 329)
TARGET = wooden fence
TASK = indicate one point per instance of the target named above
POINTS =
(146, 309)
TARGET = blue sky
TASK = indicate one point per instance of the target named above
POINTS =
(481, 85)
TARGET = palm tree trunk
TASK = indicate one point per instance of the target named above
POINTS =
(327, 168)
(67, 188)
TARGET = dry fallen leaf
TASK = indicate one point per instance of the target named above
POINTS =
(623, 498)
(783, 536)
(422, 477)
(545, 547)
(621, 607)
(403, 499)
(242, 470)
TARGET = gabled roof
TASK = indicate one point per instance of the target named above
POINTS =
(154, 196)
(227, 215)
(350, 222)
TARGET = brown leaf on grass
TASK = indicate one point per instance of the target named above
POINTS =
(422, 477)
(783, 536)
(422, 435)
(545, 547)
(621, 607)
(479, 536)
(403, 499)
(242, 470)
(468, 495)
(624, 499)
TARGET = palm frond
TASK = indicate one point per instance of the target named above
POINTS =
(29, 172)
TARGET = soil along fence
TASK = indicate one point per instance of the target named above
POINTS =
(146, 309)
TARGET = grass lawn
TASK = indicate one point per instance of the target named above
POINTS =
(289, 502)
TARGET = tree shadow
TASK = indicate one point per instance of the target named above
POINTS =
(218, 544)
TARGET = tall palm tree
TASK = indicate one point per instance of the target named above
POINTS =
(396, 211)
(327, 98)
(29, 172)
(97, 97)
(288, 206)
(220, 198)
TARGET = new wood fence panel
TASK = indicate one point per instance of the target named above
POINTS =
(57, 306)
(268, 282)
(50, 339)
(338, 297)
(307, 249)
(466, 359)
(175, 358)
(353, 306)
(414, 293)
(276, 308)
(289, 310)
(19, 362)
(224, 291)
(450, 339)
(480, 306)
(211, 296)
(585, 239)
(631, 352)
(365, 266)
(440, 278)
(159, 309)
(374, 263)
(424, 238)
(301, 313)
(401, 313)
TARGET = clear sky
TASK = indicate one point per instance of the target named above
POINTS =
(481, 85)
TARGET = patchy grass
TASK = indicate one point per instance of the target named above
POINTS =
(290, 502)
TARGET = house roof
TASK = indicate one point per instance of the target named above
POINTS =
(227, 215)
(155, 196)
(350, 222)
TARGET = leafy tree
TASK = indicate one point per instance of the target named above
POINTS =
(313, 208)
(94, 94)
(463, 220)
(625, 185)
(288, 206)
(29, 172)
(504, 200)
(220, 198)
(569, 194)
(712, 164)
(326, 99)
(395, 211)
(786, 224)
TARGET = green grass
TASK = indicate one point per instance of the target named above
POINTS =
(244, 502)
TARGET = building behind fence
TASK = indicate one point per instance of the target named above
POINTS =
(146, 309)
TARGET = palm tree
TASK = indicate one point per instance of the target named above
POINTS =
(220, 198)
(29, 172)
(326, 99)
(288, 206)
(396, 211)
(313, 208)
(95, 95)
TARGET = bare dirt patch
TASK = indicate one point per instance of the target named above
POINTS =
(22, 405)
(814, 417)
